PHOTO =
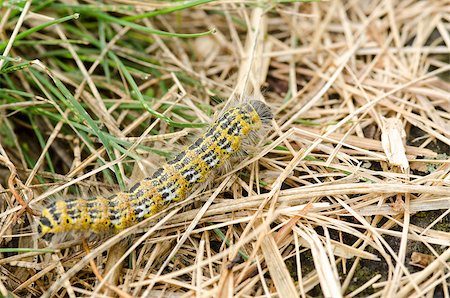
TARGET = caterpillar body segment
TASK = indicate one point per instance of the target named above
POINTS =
(172, 182)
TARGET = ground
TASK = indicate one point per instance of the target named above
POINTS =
(346, 194)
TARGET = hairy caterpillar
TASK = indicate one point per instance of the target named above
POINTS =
(171, 182)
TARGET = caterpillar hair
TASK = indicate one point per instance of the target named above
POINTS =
(172, 182)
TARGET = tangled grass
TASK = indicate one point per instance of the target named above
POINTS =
(348, 194)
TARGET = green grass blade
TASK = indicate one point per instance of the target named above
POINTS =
(24, 250)
(155, 13)
(38, 28)
(111, 19)
(144, 103)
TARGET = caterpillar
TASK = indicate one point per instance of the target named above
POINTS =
(172, 182)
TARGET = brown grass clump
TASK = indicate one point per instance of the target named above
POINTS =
(347, 196)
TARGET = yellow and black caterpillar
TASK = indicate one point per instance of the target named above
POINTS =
(170, 183)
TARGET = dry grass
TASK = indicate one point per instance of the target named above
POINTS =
(332, 203)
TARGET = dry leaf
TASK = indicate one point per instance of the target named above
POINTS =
(393, 141)
(421, 260)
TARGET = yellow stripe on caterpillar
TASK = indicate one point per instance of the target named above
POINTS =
(171, 182)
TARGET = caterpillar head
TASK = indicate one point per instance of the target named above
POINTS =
(261, 116)
(263, 111)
